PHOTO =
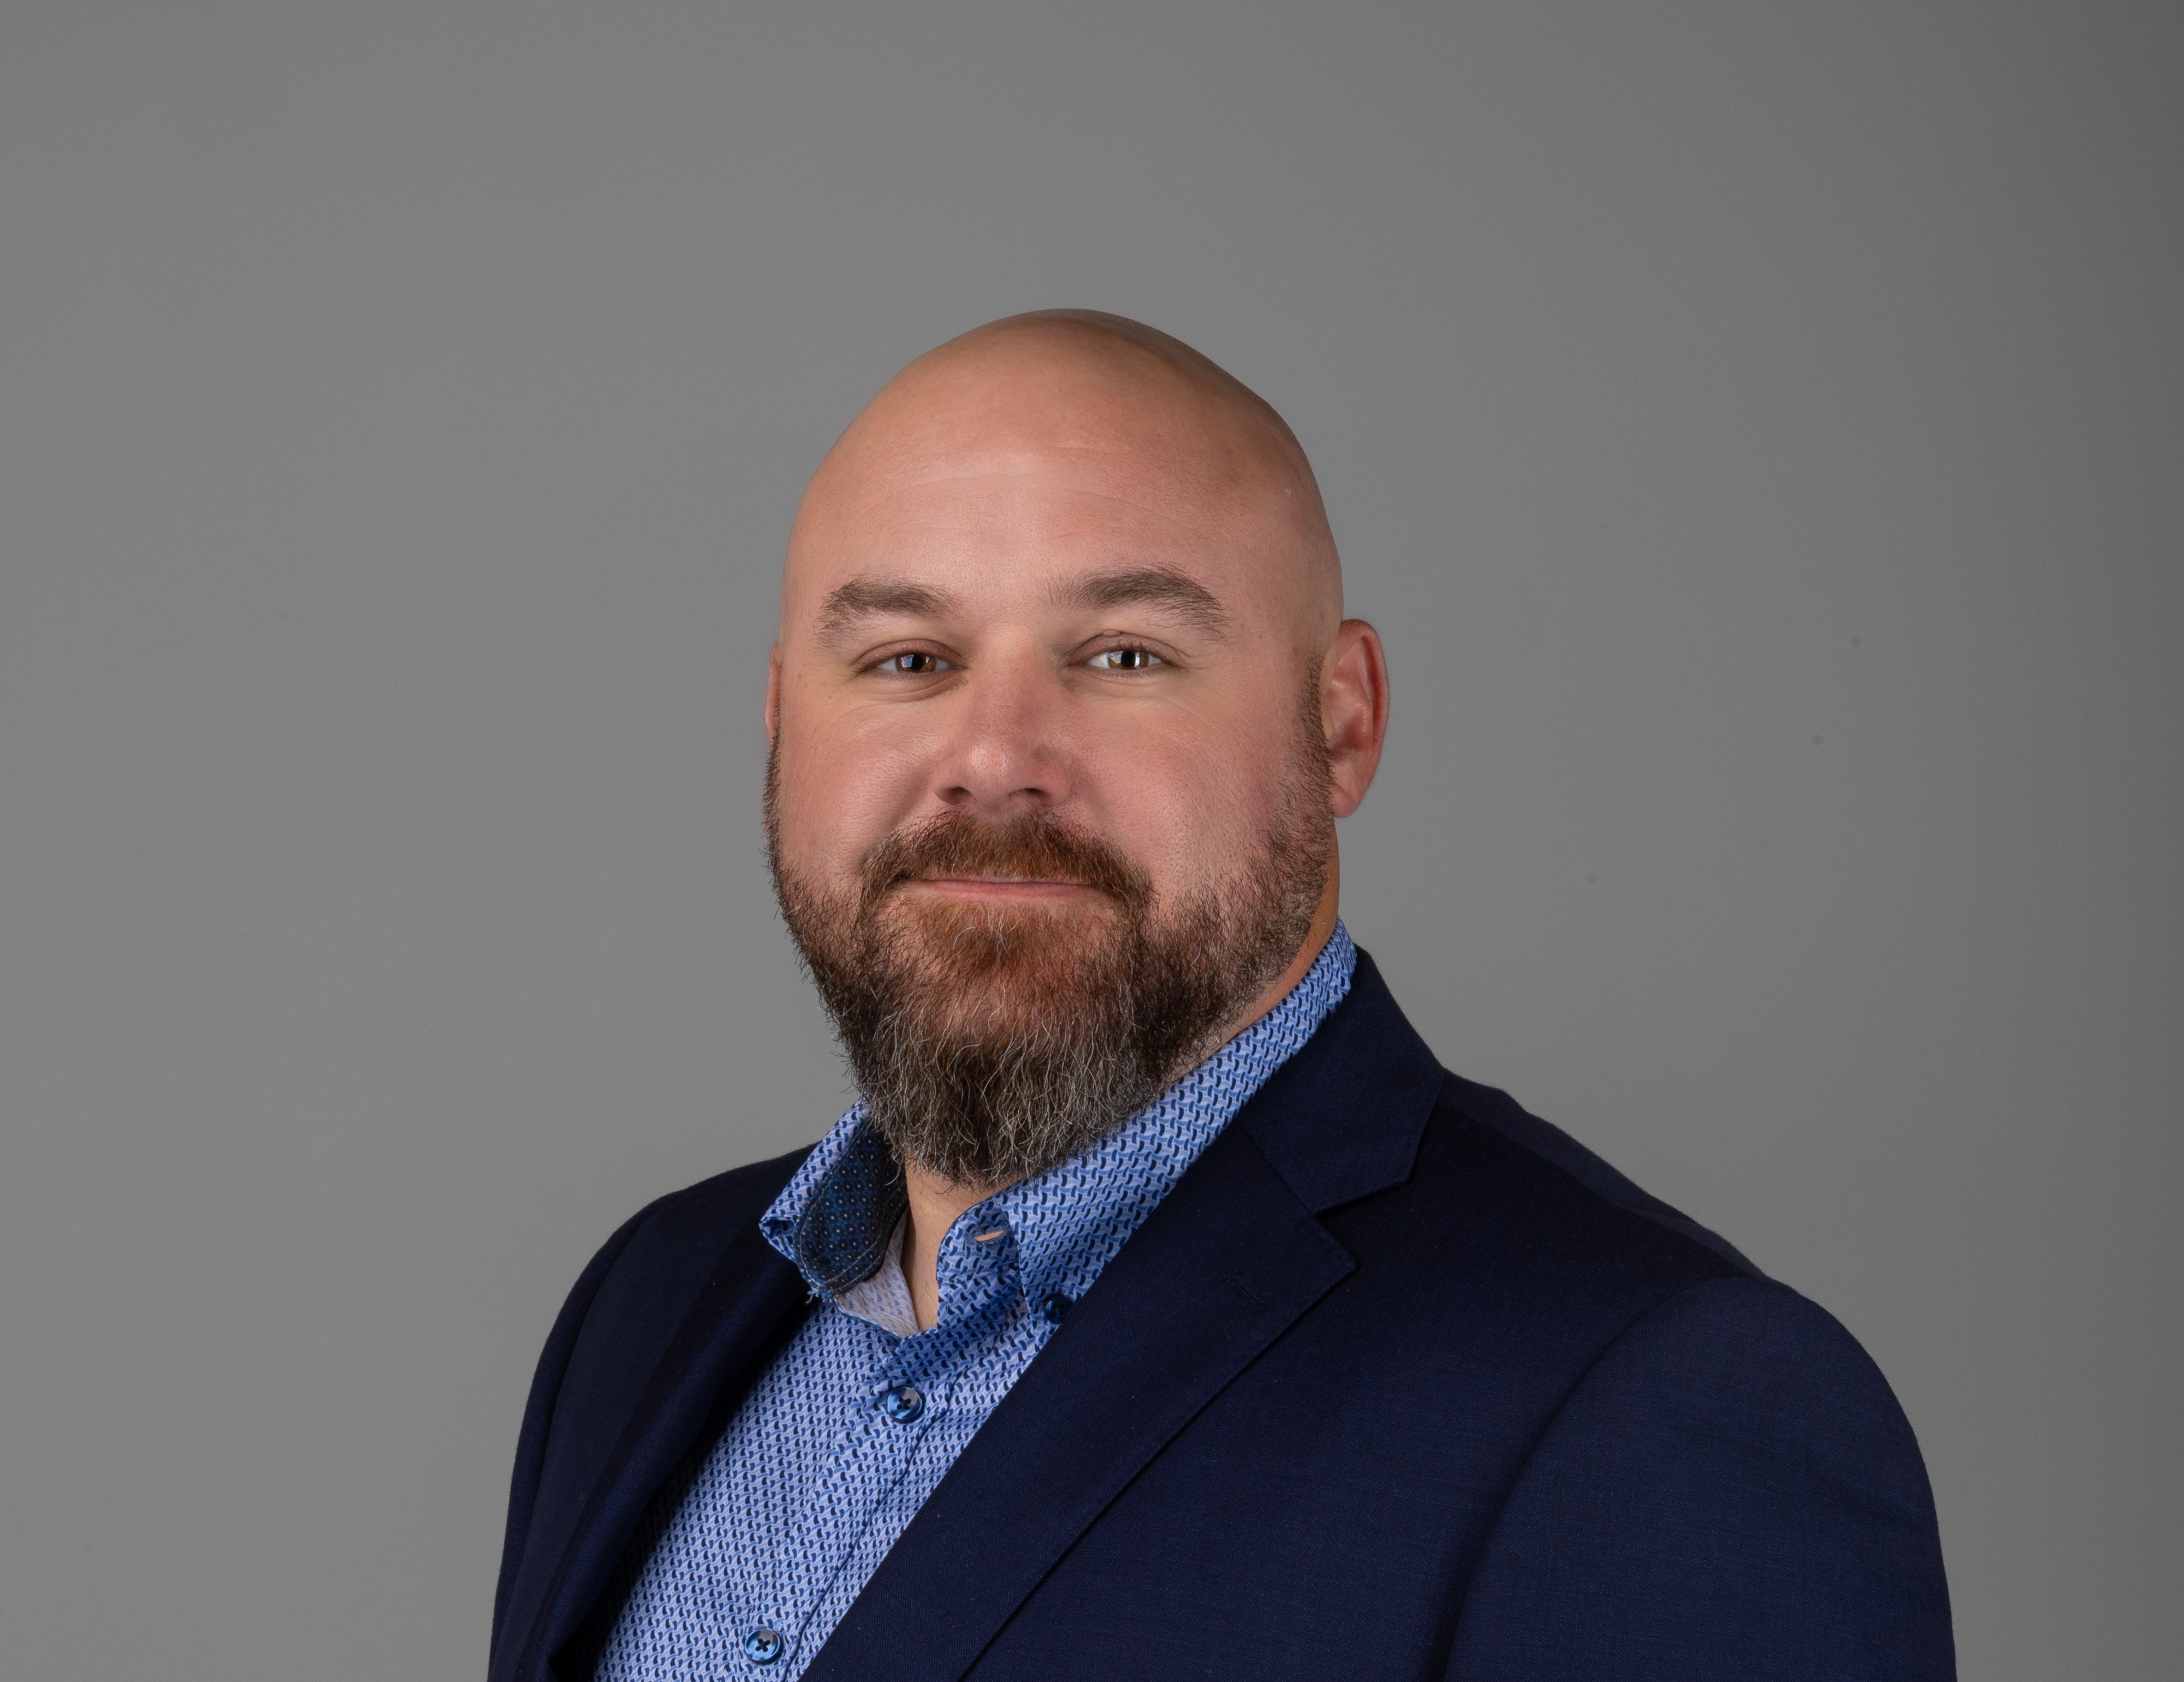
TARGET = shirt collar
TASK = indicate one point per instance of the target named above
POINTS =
(839, 1216)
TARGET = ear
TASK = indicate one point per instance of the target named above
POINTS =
(1353, 708)
(773, 694)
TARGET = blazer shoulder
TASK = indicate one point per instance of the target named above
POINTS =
(640, 1282)
(1500, 1115)
(683, 1230)
(1366, 1107)
(1731, 1490)
(662, 1259)
(1740, 1352)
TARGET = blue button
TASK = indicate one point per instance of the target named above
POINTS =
(903, 1403)
(1055, 1305)
(763, 1646)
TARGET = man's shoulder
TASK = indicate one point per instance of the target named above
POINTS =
(1512, 1254)
(1548, 1221)
(1685, 1394)
(1548, 1161)
(680, 1237)
(1507, 1234)
(644, 1279)
(708, 1211)
(1453, 1198)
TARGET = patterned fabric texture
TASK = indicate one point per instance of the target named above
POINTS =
(747, 1568)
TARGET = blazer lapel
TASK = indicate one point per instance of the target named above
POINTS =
(1226, 1264)
(750, 1293)
(1222, 1268)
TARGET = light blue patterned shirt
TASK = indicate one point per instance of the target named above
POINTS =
(841, 1440)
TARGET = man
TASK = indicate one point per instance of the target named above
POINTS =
(1162, 1308)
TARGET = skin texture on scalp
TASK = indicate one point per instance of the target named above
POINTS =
(1065, 575)
(1056, 379)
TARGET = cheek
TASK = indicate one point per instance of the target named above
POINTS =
(837, 798)
(1190, 806)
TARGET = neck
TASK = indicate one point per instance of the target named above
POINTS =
(936, 1204)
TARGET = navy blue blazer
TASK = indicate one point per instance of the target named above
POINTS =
(1398, 1382)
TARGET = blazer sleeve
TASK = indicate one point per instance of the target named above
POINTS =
(538, 1412)
(1731, 1492)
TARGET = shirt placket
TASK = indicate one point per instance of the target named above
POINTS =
(909, 1387)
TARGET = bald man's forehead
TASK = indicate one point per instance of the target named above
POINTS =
(996, 428)
(1020, 524)
(1128, 478)
(1030, 527)
(1083, 434)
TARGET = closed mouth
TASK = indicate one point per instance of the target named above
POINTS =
(999, 886)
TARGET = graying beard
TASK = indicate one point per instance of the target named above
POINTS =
(979, 1114)
(981, 1117)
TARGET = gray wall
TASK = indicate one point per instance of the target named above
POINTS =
(1756, 430)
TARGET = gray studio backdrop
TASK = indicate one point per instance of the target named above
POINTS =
(1756, 429)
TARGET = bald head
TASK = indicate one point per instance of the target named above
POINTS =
(1062, 649)
(1111, 421)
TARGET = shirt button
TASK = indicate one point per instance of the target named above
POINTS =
(1054, 1304)
(903, 1403)
(763, 1646)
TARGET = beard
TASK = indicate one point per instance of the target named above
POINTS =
(993, 1041)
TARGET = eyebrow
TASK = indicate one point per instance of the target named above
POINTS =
(867, 598)
(1156, 585)
(863, 598)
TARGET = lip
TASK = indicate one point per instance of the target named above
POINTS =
(1017, 888)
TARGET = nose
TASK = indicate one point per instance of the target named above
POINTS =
(1004, 756)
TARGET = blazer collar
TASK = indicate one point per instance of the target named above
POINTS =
(1342, 1119)
(1225, 1265)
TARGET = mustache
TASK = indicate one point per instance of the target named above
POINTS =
(1036, 845)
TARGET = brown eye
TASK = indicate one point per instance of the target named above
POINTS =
(911, 665)
(1125, 659)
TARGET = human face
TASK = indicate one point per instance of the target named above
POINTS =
(1008, 977)
(1075, 609)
